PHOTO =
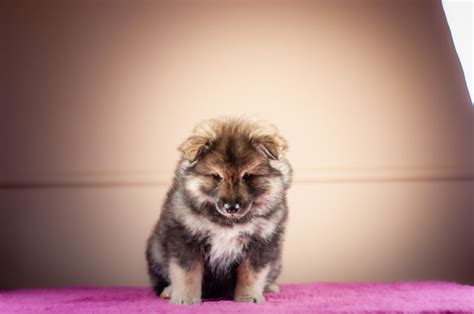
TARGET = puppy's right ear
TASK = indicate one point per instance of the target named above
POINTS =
(194, 147)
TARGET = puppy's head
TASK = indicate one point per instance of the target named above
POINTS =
(235, 167)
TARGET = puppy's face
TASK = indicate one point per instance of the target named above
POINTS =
(235, 173)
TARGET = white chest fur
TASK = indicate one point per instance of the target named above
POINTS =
(227, 244)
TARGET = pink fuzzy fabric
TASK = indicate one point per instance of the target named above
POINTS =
(304, 298)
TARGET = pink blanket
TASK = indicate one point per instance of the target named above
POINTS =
(303, 298)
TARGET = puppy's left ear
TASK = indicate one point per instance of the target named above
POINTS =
(194, 147)
(273, 146)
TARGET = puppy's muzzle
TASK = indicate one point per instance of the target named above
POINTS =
(231, 208)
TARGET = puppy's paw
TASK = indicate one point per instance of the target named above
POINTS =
(166, 293)
(184, 300)
(250, 298)
(273, 287)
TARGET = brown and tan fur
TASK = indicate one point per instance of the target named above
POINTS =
(221, 228)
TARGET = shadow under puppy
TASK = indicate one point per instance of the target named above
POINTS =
(221, 228)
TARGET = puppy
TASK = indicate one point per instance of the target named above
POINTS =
(220, 232)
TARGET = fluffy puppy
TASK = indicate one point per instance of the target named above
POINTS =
(221, 227)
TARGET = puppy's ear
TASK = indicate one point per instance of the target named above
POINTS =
(194, 147)
(273, 146)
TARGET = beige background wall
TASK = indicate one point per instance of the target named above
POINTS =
(369, 94)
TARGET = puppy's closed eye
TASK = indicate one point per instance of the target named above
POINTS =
(247, 177)
(216, 177)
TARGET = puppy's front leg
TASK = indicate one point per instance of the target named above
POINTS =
(186, 282)
(250, 283)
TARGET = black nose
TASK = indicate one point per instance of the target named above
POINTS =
(231, 207)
